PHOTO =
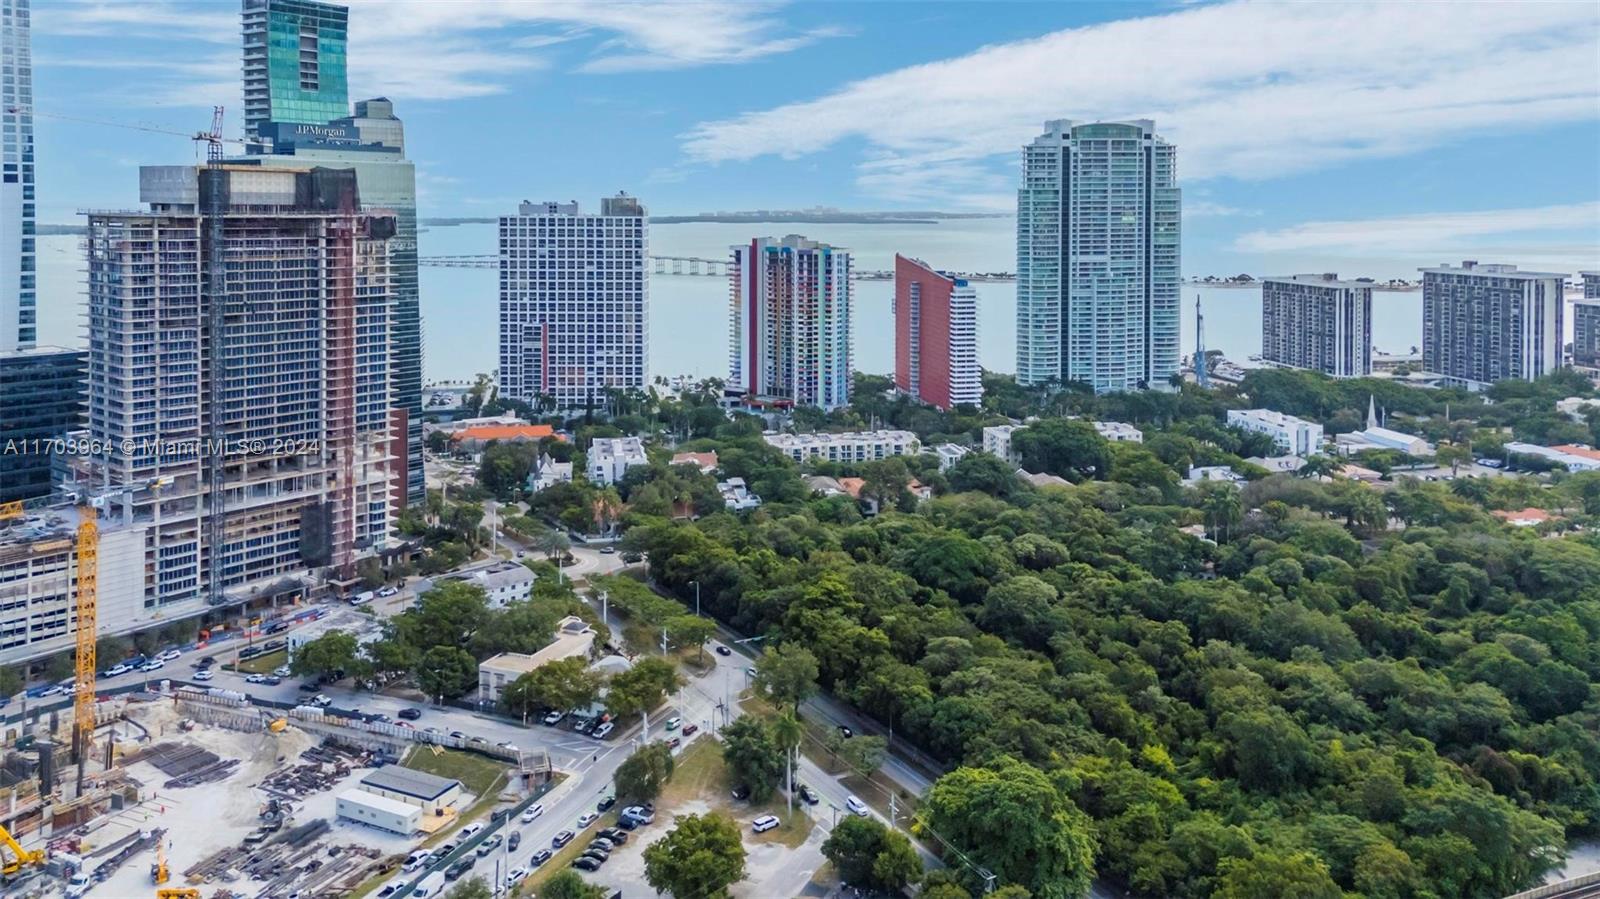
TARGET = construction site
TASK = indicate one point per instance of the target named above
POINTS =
(189, 792)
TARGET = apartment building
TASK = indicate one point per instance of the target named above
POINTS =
(1586, 324)
(935, 336)
(789, 311)
(1319, 323)
(39, 582)
(611, 457)
(574, 303)
(1098, 246)
(851, 446)
(1291, 434)
(239, 350)
(1485, 323)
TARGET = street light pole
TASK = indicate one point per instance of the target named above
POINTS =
(696, 598)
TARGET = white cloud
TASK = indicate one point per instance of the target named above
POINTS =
(437, 50)
(1435, 230)
(1246, 89)
(1209, 209)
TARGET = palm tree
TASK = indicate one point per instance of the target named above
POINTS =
(1220, 503)
(554, 543)
(1318, 466)
(788, 731)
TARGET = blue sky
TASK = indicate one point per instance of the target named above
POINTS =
(1308, 132)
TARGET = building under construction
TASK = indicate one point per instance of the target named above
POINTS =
(239, 351)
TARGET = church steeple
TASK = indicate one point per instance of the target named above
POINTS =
(1372, 412)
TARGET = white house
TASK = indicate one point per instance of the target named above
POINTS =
(1118, 431)
(1295, 436)
(997, 442)
(611, 457)
(736, 496)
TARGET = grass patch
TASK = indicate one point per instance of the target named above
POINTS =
(700, 773)
(263, 664)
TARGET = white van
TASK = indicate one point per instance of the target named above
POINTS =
(764, 823)
(432, 885)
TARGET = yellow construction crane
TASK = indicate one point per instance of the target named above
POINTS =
(178, 893)
(12, 509)
(89, 500)
(12, 863)
(158, 871)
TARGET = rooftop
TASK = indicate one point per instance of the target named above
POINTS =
(1325, 279)
(573, 637)
(1499, 270)
(409, 782)
(504, 432)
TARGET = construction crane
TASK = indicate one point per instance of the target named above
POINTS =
(18, 857)
(158, 871)
(12, 509)
(210, 138)
(89, 500)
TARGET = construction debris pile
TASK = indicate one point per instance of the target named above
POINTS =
(292, 863)
(319, 769)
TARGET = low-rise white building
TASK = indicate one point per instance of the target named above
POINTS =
(429, 793)
(851, 446)
(1293, 435)
(1573, 458)
(736, 496)
(1278, 464)
(1201, 473)
(1577, 408)
(1374, 437)
(1118, 431)
(573, 637)
(508, 582)
(997, 442)
(950, 453)
(611, 457)
(381, 812)
(549, 473)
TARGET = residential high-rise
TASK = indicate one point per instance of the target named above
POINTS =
(789, 322)
(372, 143)
(574, 302)
(1098, 219)
(41, 400)
(1487, 323)
(266, 412)
(294, 63)
(1586, 324)
(1317, 322)
(935, 336)
(18, 296)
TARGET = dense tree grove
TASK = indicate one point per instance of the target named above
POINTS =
(1344, 691)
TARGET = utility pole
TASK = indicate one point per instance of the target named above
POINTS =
(696, 598)
(893, 818)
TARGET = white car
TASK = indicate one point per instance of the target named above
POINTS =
(254, 678)
(170, 654)
(587, 819)
(281, 671)
(764, 823)
(153, 665)
(469, 830)
(321, 699)
(601, 731)
(533, 811)
(554, 718)
(673, 722)
(515, 877)
(855, 805)
(204, 674)
(416, 860)
(388, 591)
(118, 669)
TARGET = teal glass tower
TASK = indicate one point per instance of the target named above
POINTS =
(294, 63)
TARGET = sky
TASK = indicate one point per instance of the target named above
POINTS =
(1332, 134)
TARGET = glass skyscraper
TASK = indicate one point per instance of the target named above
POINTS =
(294, 63)
(18, 315)
(1098, 216)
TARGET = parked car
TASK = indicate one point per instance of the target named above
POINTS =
(170, 654)
(691, 729)
(586, 863)
(507, 746)
(554, 718)
(855, 805)
(153, 665)
(410, 714)
(457, 734)
(255, 678)
(741, 792)
(615, 835)
(271, 680)
(764, 823)
(561, 839)
(118, 669)
(808, 795)
(723, 650)
(599, 855)
(602, 844)
(388, 591)
(674, 722)
(533, 811)
(539, 858)
(638, 814)
(204, 674)
(514, 876)
(282, 671)
(586, 819)
(604, 729)
(846, 732)
(310, 686)
(321, 699)
(379, 718)
(605, 803)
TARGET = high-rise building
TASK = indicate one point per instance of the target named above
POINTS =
(18, 292)
(574, 302)
(789, 308)
(1317, 322)
(239, 351)
(41, 400)
(294, 63)
(1586, 324)
(1098, 217)
(1488, 323)
(372, 142)
(935, 336)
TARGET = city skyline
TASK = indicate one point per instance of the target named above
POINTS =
(1364, 182)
